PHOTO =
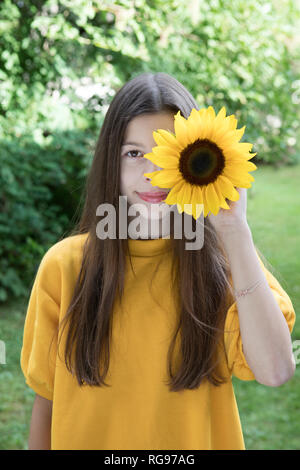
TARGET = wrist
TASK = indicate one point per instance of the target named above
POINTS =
(238, 234)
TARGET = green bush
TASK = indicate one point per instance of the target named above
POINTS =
(41, 187)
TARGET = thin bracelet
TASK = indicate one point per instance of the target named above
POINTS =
(243, 292)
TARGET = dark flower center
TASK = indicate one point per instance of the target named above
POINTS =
(201, 162)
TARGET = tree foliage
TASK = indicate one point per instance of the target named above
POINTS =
(237, 54)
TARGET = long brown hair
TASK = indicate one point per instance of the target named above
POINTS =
(200, 277)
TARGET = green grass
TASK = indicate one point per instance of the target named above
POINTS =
(16, 398)
(269, 416)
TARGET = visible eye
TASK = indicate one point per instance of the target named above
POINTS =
(133, 151)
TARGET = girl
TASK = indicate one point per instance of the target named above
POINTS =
(131, 342)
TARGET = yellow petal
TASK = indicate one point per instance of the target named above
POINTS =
(232, 122)
(242, 165)
(198, 194)
(197, 202)
(205, 201)
(195, 116)
(165, 178)
(221, 114)
(153, 173)
(164, 160)
(188, 208)
(240, 182)
(251, 166)
(227, 188)
(169, 138)
(181, 130)
(199, 123)
(182, 193)
(220, 129)
(219, 119)
(187, 200)
(209, 119)
(211, 113)
(212, 198)
(159, 139)
(242, 185)
(242, 147)
(198, 211)
(234, 160)
(240, 175)
(238, 133)
(179, 208)
(230, 138)
(172, 197)
(162, 150)
(202, 112)
(236, 153)
(218, 190)
(194, 125)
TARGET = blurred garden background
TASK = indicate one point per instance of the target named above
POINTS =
(61, 62)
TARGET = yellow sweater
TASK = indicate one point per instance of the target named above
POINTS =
(137, 411)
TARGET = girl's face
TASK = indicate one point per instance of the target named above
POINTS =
(138, 141)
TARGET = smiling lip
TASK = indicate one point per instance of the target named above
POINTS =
(154, 196)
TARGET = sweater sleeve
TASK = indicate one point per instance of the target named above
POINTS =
(236, 360)
(38, 352)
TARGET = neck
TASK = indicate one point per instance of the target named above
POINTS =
(149, 228)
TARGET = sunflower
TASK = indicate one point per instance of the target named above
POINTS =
(203, 162)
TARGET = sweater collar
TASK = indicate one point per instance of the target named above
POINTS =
(149, 247)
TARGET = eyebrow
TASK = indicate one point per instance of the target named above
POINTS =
(133, 143)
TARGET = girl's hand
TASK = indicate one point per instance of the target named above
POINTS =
(230, 221)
